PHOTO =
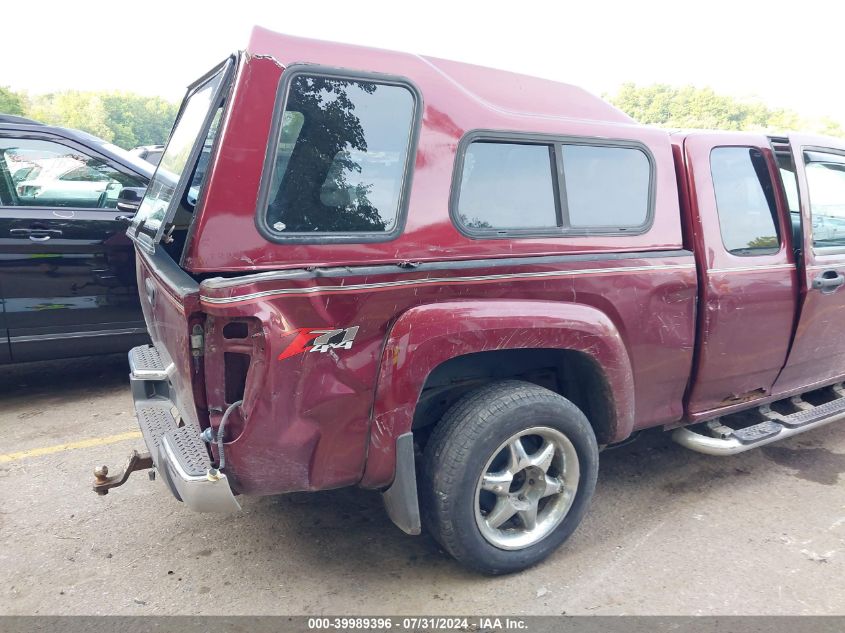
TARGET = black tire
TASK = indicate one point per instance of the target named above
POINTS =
(459, 449)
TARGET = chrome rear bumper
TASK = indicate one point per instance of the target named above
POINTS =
(179, 454)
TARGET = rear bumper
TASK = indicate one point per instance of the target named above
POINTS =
(178, 452)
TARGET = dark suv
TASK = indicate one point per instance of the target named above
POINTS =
(150, 153)
(67, 271)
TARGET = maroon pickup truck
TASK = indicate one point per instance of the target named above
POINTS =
(456, 285)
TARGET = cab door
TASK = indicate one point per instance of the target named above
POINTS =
(66, 267)
(747, 270)
(818, 351)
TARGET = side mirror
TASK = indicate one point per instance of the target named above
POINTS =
(129, 199)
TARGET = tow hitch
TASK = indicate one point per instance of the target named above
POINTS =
(137, 461)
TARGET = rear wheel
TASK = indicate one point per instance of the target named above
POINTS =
(507, 476)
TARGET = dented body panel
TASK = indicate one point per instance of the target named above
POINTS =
(169, 299)
(345, 405)
(321, 353)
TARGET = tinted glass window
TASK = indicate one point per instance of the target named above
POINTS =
(38, 173)
(198, 177)
(291, 127)
(790, 187)
(341, 157)
(744, 200)
(826, 183)
(507, 186)
(154, 157)
(185, 135)
(606, 186)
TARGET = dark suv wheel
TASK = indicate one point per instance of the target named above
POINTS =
(507, 476)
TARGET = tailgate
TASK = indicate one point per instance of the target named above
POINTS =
(170, 302)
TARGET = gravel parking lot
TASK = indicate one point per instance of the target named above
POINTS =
(670, 531)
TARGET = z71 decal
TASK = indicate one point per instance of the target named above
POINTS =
(309, 340)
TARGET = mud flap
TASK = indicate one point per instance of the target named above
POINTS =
(400, 499)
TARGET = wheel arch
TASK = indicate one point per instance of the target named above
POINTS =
(430, 343)
(572, 373)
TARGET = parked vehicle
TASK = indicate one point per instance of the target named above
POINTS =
(150, 153)
(14, 118)
(455, 285)
(67, 269)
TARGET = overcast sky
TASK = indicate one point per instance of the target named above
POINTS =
(788, 54)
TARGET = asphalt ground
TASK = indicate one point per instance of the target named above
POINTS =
(669, 531)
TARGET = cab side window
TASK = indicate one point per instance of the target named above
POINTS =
(745, 201)
(826, 185)
(40, 173)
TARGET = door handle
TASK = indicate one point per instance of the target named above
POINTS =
(828, 281)
(103, 273)
(36, 235)
(42, 235)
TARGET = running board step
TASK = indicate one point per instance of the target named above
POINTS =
(146, 364)
(159, 427)
(724, 440)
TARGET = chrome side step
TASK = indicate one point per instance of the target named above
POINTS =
(716, 437)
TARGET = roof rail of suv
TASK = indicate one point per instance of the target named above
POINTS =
(13, 118)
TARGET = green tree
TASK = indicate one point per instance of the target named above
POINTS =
(691, 107)
(11, 102)
(74, 109)
(830, 127)
(333, 132)
(123, 118)
(137, 120)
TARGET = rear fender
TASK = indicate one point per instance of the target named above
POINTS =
(426, 336)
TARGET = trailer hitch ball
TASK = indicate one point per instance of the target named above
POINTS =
(136, 461)
(101, 476)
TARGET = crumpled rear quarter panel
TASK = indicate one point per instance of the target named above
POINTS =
(309, 415)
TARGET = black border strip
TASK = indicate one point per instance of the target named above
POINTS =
(465, 280)
(462, 619)
(214, 283)
(288, 75)
(557, 141)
